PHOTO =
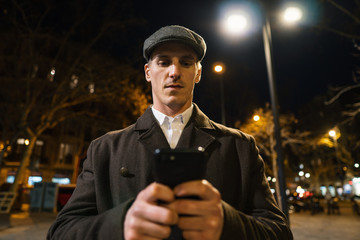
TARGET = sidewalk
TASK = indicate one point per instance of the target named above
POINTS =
(28, 226)
(321, 226)
(34, 226)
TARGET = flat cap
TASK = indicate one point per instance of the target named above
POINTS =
(175, 33)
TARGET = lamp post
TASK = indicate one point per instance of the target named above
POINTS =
(219, 68)
(266, 31)
(291, 15)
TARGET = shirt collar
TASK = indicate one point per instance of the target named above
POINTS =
(160, 117)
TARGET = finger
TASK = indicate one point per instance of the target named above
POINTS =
(157, 192)
(190, 207)
(140, 229)
(203, 189)
(154, 213)
(199, 223)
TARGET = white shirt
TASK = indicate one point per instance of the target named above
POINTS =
(172, 127)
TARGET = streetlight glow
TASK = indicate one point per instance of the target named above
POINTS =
(236, 24)
(256, 118)
(218, 68)
(292, 14)
(332, 133)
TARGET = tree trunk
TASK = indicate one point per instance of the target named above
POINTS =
(23, 164)
(78, 155)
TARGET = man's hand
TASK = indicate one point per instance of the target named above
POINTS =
(199, 219)
(146, 219)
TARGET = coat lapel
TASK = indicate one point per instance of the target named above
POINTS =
(194, 135)
(150, 133)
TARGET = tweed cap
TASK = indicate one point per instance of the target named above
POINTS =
(175, 33)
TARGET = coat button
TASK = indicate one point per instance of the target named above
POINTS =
(125, 172)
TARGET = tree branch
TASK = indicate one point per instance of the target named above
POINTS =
(344, 90)
(344, 10)
(340, 33)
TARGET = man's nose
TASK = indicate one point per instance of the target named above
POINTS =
(174, 71)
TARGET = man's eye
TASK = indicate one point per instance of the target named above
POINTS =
(163, 63)
(187, 64)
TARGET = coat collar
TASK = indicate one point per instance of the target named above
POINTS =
(147, 120)
(193, 136)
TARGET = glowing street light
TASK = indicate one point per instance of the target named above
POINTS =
(256, 118)
(292, 14)
(332, 133)
(218, 68)
(236, 24)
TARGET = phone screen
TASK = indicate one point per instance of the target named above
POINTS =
(175, 166)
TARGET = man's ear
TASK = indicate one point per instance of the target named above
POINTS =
(147, 72)
(198, 76)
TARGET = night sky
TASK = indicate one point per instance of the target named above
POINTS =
(307, 60)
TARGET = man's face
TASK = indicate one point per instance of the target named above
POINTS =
(173, 71)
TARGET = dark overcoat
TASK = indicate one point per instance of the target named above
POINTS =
(104, 191)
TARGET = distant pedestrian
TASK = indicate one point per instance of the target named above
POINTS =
(355, 205)
(335, 205)
(315, 205)
(329, 202)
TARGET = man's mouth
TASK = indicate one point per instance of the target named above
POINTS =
(174, 86)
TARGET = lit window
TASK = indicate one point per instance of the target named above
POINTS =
(61, 180)
(10, 179)
(34, 179)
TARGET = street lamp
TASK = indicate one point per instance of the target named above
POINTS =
(219, 68)
(334, 134)
(236, 24)
(256, 118)
(292, 14)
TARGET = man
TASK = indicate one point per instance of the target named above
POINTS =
(116, 196)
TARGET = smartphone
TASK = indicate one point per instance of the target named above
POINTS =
(175, 166)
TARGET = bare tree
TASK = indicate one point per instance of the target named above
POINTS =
(53, 70)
